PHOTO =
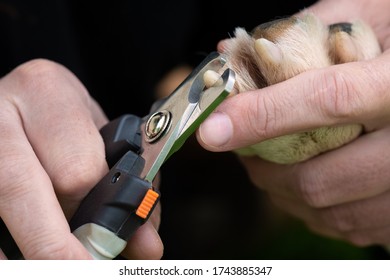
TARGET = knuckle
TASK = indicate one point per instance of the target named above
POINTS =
(338, 97)
(35, 72)
(358, 239)
(311, 190)
(263, 116)
(42, 77)
(337, 219)
(38, 77)
(76, 173)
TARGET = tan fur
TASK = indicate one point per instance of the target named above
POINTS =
(279, 50)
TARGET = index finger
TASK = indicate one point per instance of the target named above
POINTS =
(28, 203)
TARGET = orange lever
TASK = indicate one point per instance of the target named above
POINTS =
(147, 204)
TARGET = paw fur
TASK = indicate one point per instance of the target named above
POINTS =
(278, 50)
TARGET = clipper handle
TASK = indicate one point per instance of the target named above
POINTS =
(121, 202)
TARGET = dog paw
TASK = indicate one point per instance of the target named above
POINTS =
(278, 50)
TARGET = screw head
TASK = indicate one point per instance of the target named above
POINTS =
(157, 125)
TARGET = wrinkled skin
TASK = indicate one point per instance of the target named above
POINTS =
(52, 154)
(344, 193)
(278, 50)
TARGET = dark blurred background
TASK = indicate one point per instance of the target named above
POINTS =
(120, 50)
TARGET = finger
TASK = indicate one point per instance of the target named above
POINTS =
(274, 178)
(363, 238)
(325, 97)
(99, 117)
(296, 208)
(28, 121)
(307, 214)
(2, 256)
(327, 222)
(145, 244)
(28, 204)
(353, 172)
(60, 127)
(155, 218)
(358, 215)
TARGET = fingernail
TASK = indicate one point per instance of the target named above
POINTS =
(216, 130)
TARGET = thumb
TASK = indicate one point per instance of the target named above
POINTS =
(315, 98)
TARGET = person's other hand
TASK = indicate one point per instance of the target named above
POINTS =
(52, 154)
(344, 193)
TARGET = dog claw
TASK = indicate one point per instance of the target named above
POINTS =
(268, 50)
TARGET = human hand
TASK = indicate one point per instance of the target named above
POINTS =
(343, 193)
(52, 154)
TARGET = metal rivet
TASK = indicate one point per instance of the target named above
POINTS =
(157, 125)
